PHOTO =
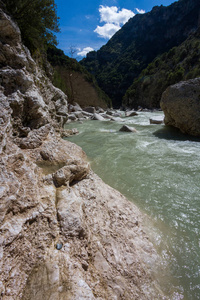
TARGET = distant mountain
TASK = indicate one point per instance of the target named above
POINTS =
(180, 63)
(138, 42)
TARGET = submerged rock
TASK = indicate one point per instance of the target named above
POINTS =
(181, 106)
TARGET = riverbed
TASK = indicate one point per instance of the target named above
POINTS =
(157, 168)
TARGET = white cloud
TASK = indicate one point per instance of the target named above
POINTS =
(107, 30)
(113, 17)
(140, 11)
(84, 51)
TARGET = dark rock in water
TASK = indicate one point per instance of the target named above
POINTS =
(59, 246)
(181, 105)
(126, 128)
(131, 113)
(156, 121)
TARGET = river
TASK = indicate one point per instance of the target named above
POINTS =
(158, 169)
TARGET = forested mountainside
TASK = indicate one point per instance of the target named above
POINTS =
(179, 63)
(74, 80)
(138, 42)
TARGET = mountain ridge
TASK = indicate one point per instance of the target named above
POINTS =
(138, 42)
(178, 64)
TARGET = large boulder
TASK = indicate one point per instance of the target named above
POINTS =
(181, 105)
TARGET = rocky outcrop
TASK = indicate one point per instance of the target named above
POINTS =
(32, 97)
(64, 234)
(181, 105)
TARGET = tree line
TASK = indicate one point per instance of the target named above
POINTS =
(37, 20)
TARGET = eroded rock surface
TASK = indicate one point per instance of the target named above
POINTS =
(181, 105)
(50, 197)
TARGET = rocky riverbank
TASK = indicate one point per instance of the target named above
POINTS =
(64, 233)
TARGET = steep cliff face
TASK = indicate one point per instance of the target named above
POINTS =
(80, 90)
(74, 80)
(64, 234)
(138, 42)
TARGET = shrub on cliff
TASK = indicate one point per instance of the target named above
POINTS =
(37, 20)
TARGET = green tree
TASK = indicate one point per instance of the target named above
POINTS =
(37, 20)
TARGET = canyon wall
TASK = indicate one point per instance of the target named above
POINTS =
(64, 233)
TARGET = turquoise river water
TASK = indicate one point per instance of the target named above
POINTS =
(158, 169)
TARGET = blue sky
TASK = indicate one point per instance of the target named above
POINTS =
(87, 25)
